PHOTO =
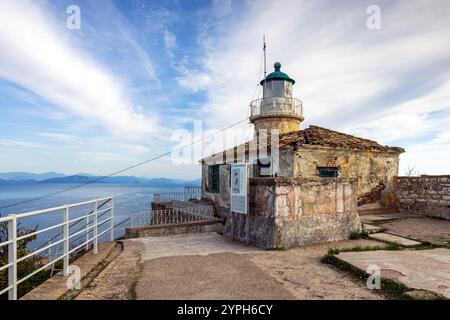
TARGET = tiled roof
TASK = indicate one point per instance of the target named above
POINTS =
(318, 136)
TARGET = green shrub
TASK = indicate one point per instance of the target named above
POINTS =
(24, 267)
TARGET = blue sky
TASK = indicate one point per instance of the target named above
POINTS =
(124, 86)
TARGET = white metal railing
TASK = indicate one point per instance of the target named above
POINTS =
(190, 192)
(172, 216)
(276, 106)
(92, 225)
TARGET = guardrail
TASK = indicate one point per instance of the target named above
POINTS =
(276, 106)
(92, 225)
(171, 216)
(190, 192)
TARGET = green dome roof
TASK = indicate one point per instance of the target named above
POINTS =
(277, 75)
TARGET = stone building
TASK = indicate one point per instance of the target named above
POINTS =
(310, 187)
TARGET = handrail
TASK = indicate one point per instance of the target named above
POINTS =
(67, 236)
(188, 213)
(190, 192)
(70, 226)
(276, 106)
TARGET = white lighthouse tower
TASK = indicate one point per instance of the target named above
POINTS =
(277, 109)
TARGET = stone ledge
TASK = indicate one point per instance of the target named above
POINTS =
(211, 225)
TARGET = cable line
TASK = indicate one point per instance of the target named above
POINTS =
(123, 170)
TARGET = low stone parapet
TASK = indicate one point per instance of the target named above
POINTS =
(213, 225)
(425, 195)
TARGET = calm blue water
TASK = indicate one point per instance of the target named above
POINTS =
(128, 197)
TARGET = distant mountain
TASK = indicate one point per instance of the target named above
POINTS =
(53, 177)
(69, 179)
(29, 176)
(123, 179)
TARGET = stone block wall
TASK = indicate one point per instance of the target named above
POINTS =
(375, 171)
(285, 212)
(426, 195)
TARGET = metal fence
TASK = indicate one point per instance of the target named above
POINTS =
(89, 233)
(190, 192)
(179, 214)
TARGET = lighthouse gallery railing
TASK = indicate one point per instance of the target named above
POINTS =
(276, 106)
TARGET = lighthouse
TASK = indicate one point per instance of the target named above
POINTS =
(309, 185)
(277, 109)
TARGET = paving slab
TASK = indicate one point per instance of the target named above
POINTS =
(422, 229)
(216, 276)
(426, 270)
(386, 237)
(389, 216)
(371, 228)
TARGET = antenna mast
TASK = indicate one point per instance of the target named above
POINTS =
(265, 67)
(264, 48)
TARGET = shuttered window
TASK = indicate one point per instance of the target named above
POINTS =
(213, 179)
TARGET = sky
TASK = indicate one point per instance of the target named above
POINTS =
(140, 78)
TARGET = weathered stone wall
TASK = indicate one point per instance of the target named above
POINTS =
(426, 195)
(286, 212)
(374, 171)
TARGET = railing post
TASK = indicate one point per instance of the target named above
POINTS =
(87, 233)
(66, 242)
(112, 219)
(12, 258)
(95, 228)
(50, 253)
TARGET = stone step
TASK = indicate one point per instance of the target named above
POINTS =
(386, 237)
(55, 287)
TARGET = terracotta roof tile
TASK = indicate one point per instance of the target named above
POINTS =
(318, 136)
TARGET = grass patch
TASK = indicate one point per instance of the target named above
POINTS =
(389, 287)
(390, 246)
(277, 249)
(359, 235)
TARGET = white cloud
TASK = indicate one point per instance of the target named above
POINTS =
(19, 143)
(38, 55)
(381, 83)
(170, 42)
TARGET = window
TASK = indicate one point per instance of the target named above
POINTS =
(213, 179)
(274, 88)
(262, 167)
(328, 172)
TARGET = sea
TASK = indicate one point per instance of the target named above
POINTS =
(127, 198)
